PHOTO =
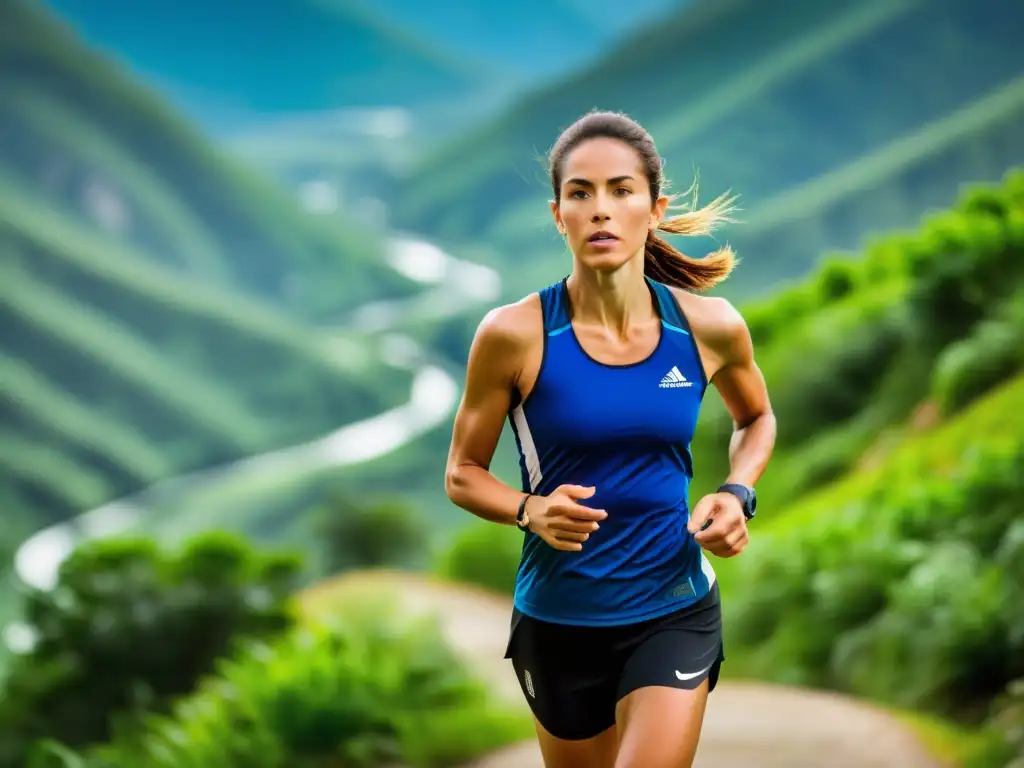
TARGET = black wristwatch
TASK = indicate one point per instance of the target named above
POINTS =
(746, 496)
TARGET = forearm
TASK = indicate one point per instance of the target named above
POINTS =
(476, 490)
(750, 449)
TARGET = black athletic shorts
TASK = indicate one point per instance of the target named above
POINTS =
(573, 676)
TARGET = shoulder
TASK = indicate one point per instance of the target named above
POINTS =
(717, 324)
(510, 328)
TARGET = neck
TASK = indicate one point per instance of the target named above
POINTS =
(612, 299)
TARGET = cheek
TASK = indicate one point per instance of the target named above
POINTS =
(637, 216)
(574, 219)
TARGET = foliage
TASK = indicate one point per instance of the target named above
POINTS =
(485, 554)
(360, 534)
(905, 593)
(992, 353)
(925, 314)
(365, 689)
(129, 627)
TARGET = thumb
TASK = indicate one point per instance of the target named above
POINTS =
(700, 515)
(578, 491)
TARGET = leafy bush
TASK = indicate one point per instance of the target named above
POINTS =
(362, 690)
(994, 352)
(485, 554)
(359, 534)
(908, 595)
(837, 277)
(128, 628)
(834, 382)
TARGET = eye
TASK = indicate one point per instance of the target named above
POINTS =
(623, 191)
(578, 193)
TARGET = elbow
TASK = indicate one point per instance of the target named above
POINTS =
(455, 484)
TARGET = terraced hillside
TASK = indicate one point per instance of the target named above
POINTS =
(153, 296)
(82, 135)
(830, 120)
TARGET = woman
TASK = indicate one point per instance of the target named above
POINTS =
(616, 633)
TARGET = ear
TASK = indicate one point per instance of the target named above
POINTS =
(557, 216)
(658, 211)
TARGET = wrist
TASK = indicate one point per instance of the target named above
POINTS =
(522, 518)
(746, 495)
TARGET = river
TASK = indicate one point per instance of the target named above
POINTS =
(450, 286)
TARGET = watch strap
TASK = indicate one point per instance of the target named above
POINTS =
(744, 494)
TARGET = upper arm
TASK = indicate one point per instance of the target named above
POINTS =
(492, 372)
(738, 378)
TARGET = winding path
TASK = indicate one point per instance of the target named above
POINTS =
(748, 725)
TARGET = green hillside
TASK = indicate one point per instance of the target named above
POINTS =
(864, 348)
(82, 135)
(155, 299)
(886, 560)
(830, 121)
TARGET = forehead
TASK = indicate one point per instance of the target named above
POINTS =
(602, 158)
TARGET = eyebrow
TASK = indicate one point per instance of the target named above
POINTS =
(585, 183)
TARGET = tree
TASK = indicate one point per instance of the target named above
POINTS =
(370, 534)
(129, 627)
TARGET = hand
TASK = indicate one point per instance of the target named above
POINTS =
(560, 521)
(718, 524)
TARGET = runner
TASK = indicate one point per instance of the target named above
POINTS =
(617, 629)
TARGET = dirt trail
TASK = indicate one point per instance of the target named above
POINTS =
(748, 725)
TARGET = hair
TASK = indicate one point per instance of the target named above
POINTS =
(662, 262)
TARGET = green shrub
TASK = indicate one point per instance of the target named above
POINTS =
(993, 353)
(361, 534)
(364, 690)
(826, 386)
(907, 595)
(484, 554)
(128, 628)
(837, 277)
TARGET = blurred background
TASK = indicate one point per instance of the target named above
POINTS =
(243, 253)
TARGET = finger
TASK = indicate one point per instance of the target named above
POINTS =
(572, 536)
(736, 538)
(566, 546)
(577, 491)
(720, 527)
(727, 549)
(577, 511)
(700, 516)
(569, 524)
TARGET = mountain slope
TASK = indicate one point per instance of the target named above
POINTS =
(81, 134)
(154, 296)
(762, 101)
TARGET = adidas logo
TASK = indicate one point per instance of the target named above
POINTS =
(674, 379)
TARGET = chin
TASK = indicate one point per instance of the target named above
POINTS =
(604, 262)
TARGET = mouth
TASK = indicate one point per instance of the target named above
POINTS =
(602, 237)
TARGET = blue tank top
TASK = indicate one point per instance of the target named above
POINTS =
(626, 430)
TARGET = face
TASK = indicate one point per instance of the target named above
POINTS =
(605, 210)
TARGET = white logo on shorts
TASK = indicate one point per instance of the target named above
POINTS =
(691, 675)
(528, 682)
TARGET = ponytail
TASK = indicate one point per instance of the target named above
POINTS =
(665, 264)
